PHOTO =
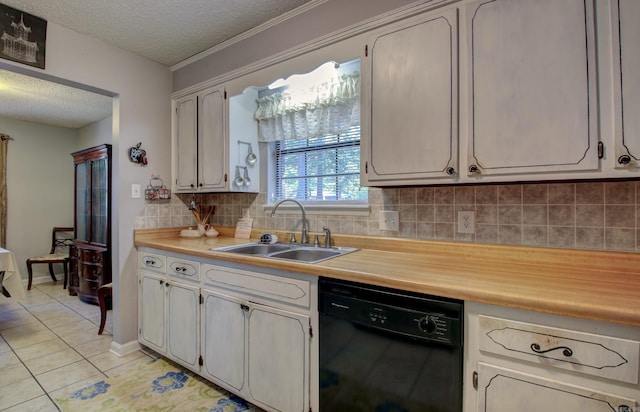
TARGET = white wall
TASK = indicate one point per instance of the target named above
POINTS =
(95, 134)
(40, 188)
(142, 113)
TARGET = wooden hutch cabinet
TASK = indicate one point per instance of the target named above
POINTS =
(91, 252)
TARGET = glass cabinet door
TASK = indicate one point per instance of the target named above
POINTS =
(99, 201)
(82, 202)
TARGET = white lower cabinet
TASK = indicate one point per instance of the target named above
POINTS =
(258, 350)
(169, 318)
(247, 331)
(223, 337)
(525, 361)
(278, 353)
(256, 336)
(183, 328)
(151, 312)
(501, 389)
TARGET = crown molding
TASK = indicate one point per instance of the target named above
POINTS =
(249, 33)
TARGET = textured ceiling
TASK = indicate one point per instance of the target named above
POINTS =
(35, 100)
(166, 31)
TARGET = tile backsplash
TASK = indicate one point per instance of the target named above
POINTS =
(584, 215)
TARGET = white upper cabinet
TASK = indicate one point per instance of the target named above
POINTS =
(212, 115)
(626, 38)
(201, 141)
(410, 101)
(186, 121)
(532, 103)
(216, 142)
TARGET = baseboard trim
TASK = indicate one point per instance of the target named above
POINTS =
(124, 349)
(43, 279)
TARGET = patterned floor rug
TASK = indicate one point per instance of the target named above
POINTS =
(157, 386)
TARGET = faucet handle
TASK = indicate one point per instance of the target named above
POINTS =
(293, 237)
(327, 237)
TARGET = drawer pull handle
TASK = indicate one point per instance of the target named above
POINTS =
(181, 269)
(149, 262)
(566, 351)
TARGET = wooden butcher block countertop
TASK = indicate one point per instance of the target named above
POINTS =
(593, 285)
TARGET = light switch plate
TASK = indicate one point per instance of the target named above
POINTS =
(390, 220)
(135, 191)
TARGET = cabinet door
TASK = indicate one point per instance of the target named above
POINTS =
(99, 201)
(533, 98)
(278, 349)
(223, 339)
(626, 37)
(151, 312)
(183, 307)
(212, 145)
(82, 197)
(501, 389)
(186, 143)
(410, 101)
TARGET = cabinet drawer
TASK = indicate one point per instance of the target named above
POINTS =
(152, 261)
(587, 353)
(184, 269)
(89, 286)
(91, 272)
(91, 256)
(275, 288)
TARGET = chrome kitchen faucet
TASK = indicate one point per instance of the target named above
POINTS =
(303, 240)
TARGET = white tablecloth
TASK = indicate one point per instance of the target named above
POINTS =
(12, 281)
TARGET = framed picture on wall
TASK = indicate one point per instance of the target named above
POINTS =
(22, 37)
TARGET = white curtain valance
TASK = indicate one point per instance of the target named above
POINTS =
(319, 110)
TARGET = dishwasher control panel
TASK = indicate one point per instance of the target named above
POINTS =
(417, 317)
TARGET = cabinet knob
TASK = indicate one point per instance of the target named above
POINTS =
(244, 307)
(450, 171)
(474, 170)
(624, 159)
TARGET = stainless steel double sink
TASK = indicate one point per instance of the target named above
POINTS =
(288, 251)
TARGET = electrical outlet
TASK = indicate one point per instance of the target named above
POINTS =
(390, 221)
(466, 221)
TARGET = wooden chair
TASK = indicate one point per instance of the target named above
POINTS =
(104, 300)
(61, 239)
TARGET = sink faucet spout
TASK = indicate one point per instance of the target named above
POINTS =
(304, 216)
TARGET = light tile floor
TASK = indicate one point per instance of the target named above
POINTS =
(50, 347)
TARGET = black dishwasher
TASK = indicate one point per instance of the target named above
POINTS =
(383, 349)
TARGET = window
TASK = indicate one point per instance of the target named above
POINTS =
(321, 168)
(312, 123)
